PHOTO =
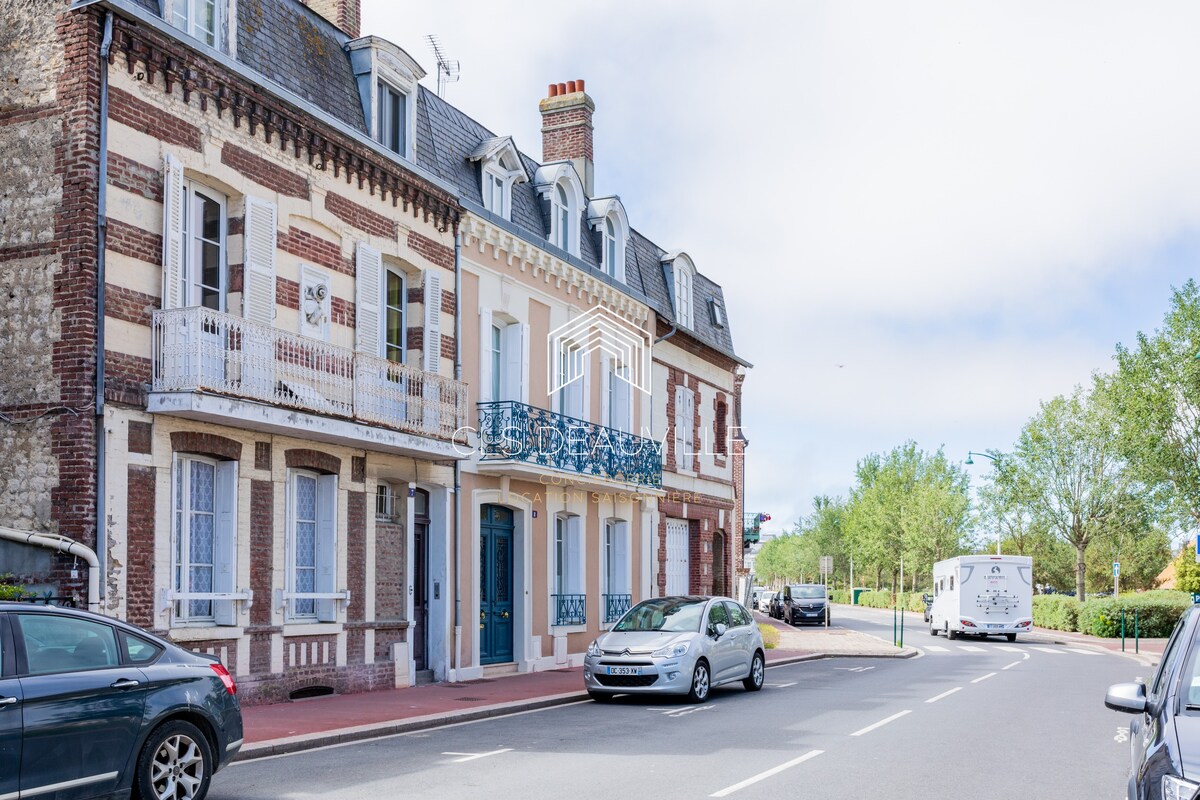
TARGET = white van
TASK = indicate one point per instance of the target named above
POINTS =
(982, 596)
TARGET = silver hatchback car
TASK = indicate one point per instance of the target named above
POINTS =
(676, 645)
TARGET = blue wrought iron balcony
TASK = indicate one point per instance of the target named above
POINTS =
(569, 609)
(511, 431)
(615, 605)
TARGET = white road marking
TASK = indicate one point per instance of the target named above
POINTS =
(1054, 650)
(728, 790)
(881, 723)
(1010, 666)
(1122, 735)
(1009, 648)
(937, 648)
(935, 698)
(782, 685)
(971, 648)
(473, 756)
(854, 669)
(983, 677)
(1082, 652)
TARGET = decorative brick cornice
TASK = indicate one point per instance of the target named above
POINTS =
(216, 89)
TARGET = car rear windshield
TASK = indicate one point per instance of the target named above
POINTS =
(663, 614)
(808, 592)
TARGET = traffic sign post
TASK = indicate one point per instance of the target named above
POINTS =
(1116, 578)
(825, 565)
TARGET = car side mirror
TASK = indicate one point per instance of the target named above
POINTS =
(718, 630)
(1127, 697)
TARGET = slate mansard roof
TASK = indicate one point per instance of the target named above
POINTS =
(297, 48)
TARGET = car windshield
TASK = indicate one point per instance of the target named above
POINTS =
(808, 592)
(663, 614)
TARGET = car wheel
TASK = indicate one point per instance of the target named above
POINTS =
(1012, 637)
(951, 635)
(600, 697)
(933, 631)
(175, 764)
(758, 672)
(701, 683)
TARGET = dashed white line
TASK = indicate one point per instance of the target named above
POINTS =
(728, 790)
(935, 698)
(881, 723)
(473, 756)
(782, 685)
(1010, 666)
(983, 677)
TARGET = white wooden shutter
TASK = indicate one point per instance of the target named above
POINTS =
(514, 355)
(326, 545)
(258, 303)
(680, 440)
(620, 399)
(606, 386)
(574, 559)
(485, 356)
(585, 390)
(524, 397)
(368, 299)
(173, 202)
(621, 555)
(225, 541)
(689, 415)
(433, 321)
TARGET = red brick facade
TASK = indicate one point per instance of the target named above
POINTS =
(359, 216)
(152, 121)
(139, 603)
(263, 172)
(208, 444)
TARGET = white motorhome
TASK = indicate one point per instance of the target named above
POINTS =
(982, 596)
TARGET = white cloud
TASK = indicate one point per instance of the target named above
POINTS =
(932, 193)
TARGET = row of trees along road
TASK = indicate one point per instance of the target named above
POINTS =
(1109, 472)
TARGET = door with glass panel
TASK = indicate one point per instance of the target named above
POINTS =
(495, 584)
(420, 577)
(395, 307)
(205, 281)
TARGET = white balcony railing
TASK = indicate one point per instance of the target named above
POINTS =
(198, 349)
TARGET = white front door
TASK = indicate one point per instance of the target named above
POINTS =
(677, 556)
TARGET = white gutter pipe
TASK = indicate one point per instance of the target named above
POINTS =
(61, 544)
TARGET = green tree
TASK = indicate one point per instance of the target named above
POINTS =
(1066, 465)
(1187, 571)
(1156, 395)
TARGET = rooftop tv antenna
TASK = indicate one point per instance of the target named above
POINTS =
(447, 71)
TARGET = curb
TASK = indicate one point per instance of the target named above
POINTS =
(379, 730)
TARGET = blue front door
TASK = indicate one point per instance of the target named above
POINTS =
(495, 585)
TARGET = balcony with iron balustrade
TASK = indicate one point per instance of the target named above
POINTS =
(216, 367)
(517, 438)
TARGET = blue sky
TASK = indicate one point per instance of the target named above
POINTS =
(967, 205)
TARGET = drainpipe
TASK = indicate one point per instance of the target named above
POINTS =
(668, 334)
(101, 245)
(457, 464)
(61, 544)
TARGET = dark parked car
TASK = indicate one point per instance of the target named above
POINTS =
(803, 602)
(93, 707)
(928, 599)
(1164, 733)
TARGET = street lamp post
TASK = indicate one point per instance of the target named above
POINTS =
(969, 462)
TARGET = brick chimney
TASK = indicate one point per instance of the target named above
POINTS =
(345, 14)
(567, 129)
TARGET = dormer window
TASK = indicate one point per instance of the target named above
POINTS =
(391, 119)
(717, 312)
(607, 218)
(500, 167)
(200, 19)
(561, 189)
(682, 279)
(387, 87)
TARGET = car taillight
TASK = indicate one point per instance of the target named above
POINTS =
(967, 623)
(226, 678)
(1024, 624)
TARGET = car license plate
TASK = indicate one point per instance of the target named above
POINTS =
(995, 624)
(624, 671)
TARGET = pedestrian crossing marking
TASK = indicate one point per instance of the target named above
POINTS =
(937, 648)
(1053, 650)
(1009, 648)
(971, 648)
(1083, 652)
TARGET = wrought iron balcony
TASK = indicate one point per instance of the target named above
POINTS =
(615, 605)
(519, 432)
(200, 350)
(569, 609)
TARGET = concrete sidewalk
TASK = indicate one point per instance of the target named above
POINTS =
(305, 724)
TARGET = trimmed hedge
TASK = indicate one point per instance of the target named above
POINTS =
(1056, 611)
(770, 635)
(875, 599)
(840, 596)
(1157, 613)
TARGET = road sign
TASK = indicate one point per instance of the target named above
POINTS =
(826, 564)
(1116, 568)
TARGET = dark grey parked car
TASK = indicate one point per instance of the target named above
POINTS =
(803, 602)
(93, 708)
(1164, 733)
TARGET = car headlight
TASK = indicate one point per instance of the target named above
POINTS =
(594, 648)
(1174, 788)
(671, 651)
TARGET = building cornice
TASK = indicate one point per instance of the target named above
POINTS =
(217, 88)
(540, 264)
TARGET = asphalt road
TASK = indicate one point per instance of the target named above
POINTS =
(979, 719)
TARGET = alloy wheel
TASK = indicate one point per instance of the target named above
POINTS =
(700, 683)
(177, 771)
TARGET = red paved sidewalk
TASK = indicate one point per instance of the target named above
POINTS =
(1146, 647)
(286, 727)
